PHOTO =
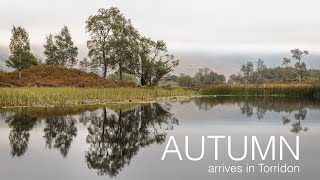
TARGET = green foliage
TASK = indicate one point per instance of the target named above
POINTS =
(172, 78)
(60, 49)
(116, 44)
(205, 76)
(126, 77)
(185, 81)
(85, 65)
(262, 74)
(300, 66)
(247, 71)
(21, 57)
(103, 29)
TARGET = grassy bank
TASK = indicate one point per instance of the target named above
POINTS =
(61, 96)
(291, 90)
(42, 96)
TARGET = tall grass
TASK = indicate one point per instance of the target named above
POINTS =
(42, 96)
(291, 90)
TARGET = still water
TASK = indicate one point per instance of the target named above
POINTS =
(128, 141)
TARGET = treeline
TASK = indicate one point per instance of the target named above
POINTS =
(294, 69)
(203, 77)
(114, 45)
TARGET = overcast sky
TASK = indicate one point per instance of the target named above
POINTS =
(252, 26)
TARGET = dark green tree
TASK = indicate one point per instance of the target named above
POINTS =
(124, 47)
(205, 76)
(185, 80)
(154, 61)
(51, 51)
(102, 28)
(60, 49)
(21, 57)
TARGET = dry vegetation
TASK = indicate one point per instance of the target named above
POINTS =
(311, 90)
(52, 76)
(48, 96)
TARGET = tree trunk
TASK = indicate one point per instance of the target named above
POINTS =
(19, 74)
(105, 71)
(143, 81)
(120, 72)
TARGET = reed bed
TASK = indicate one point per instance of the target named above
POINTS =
(290, 90)
(42, 96)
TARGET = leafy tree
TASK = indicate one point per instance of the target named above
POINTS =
(60, 49)
(173, 78)
(116, 44)
(124, 46)
(247, 70)
(21, 57)
(51, 51)
(125, 77)
(300, 66)
(153, 63)
(85, 65)
(236, 78)
(101, 28)
(260, 65)
(205, 76)
(185, 80)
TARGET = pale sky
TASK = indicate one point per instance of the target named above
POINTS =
(216, 26)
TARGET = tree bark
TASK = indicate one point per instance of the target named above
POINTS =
(143, 81)
(105, 71)
(120, 71)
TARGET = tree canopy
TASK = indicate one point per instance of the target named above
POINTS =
(60, 49)
(115, 44)
(21, 57)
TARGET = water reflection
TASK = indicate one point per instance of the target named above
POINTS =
(20, 125)
(59, 133)
(116, 137)
(296, 109)
(111, 136)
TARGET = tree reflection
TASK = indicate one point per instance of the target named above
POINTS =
(295, 109)
(247, 109)
(115, 137)
(299, 115)
(20, 125)
(59, 133)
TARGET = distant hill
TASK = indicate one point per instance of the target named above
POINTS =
(51, 76)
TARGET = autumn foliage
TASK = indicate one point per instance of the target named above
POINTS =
(52, 76)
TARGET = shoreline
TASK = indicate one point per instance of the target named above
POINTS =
(73, 96)
(130, 101)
